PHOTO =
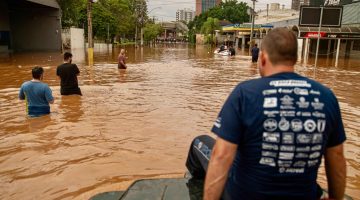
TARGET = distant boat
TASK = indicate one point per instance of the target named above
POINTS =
(222, 53)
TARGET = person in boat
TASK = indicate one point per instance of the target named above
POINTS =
(272, 133)
(222, 48)
(68, 73)
(37, 94)
(122, 60)
(255, 53)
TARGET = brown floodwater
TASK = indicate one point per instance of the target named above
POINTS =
(137, 123)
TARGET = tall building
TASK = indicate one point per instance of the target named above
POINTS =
(295, 4)
(185, 15)
(204, 5)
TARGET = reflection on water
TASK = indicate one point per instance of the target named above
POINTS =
(136, 123)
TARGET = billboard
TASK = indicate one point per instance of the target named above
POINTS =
(310, 16)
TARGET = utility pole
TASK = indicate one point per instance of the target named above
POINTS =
(267, 11)
(108, 33)
(90, 34)
(136, 22)
(318, 38)
(142, 28)
(252, 25)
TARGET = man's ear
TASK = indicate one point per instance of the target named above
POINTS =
(263, 58)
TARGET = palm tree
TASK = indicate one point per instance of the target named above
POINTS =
(209, 27)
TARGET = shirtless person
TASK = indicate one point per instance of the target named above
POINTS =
(122, 60)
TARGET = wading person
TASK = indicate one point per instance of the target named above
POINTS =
(122, 60)
(255, 53)
(37, 95)
(68, 73)
(272, 133)
(232, 50)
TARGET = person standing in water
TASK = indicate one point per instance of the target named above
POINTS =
(37, 95)
(232, 50)
(255, 53)
(122, 60)
(68, 73)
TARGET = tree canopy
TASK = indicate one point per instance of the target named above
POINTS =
(230, 10)
(120, 16)
(209, 27)
(151, 31)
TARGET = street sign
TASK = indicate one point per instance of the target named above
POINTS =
(314, 34)
(310, 16)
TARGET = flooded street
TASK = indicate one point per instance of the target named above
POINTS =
(133, 124)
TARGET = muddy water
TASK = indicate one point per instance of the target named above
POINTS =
(133, 124)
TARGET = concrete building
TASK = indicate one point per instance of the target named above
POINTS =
(295, 4)
(264, 21)
(30, 25)
(274, 6)
(278, 18)
(185, 15)
(204, 5)
(336, 44)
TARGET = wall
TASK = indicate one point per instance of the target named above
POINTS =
(200, 39)
(285, 23)
(4, 27)
(36, 29)
(4, 16)
(77, 38)
(351, 15)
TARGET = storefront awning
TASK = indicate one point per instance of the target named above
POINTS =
(246, 27)
(345, 32)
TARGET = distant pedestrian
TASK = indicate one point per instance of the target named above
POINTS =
(68, 74)
(232, 50)
(37, 95)
(122, 60)
(255, 53)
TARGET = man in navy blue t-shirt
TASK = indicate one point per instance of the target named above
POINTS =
(272, 133)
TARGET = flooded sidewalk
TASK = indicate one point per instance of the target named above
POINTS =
(133, 124)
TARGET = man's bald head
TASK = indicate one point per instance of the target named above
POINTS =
(281, 46)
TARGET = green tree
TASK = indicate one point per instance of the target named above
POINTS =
(231, 10)
(151, 31)
(120, 16)
(71, 12)
(209, 27)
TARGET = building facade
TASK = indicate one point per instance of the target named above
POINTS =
(185, 15)
(295, 4)
(30, 25)
(204, 5)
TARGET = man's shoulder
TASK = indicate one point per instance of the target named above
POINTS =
(25, 84)
(267, 81)
(65, 65)
(251, 83)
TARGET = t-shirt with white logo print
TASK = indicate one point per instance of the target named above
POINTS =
(282, 125)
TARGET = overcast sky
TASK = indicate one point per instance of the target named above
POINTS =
(168, 9)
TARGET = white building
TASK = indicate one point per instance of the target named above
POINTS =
(278, 17)
(185, 15)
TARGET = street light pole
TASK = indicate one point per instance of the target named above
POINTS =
(142, 29)
(142, 25)
(318, 36)
(252, 24)
(90, 34)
